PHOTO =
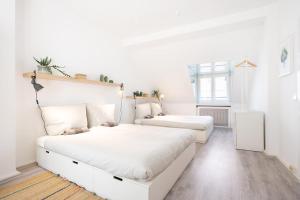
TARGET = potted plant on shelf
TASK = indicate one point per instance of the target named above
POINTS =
(46, 67)
(156, 94)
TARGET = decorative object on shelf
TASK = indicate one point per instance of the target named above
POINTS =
(81, 76)
(286, 56)
(138, 94)
(46, 67)
(105, 78)
(101, 77)
(37, 87)
(142, 97)
(245, 66)
(158, 95)
(155, 93)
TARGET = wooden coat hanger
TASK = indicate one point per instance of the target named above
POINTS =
(246, 63)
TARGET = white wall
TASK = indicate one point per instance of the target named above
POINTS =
(265, 94)
(7, 89)
(164, 64)
(80, 45)
(277, 94)
(289, 108)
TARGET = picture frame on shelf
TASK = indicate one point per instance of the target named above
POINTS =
(286, 58)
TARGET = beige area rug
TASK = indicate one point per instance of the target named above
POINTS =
(45, 185)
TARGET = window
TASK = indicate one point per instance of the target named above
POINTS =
(211, 82)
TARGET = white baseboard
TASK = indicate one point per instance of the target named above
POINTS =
(287, 165)
(6, 178)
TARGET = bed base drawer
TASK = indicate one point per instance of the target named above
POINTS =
(73, 170)
(113, 187)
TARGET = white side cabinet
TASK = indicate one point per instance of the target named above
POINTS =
(249, 130)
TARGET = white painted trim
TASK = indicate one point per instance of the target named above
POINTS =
(6, 178)
(284, 163)
(287, 165)
(241, 17)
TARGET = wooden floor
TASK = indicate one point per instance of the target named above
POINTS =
(219, 172)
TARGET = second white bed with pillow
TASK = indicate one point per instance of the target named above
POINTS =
(201, 125)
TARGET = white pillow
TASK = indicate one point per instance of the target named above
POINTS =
(60, 118)
(98, 114)
(143, 110)
(156, 109)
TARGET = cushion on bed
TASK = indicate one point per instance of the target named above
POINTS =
(73, 131)
(60, 118)
(156, 109)
(100, 113)
(142, 110)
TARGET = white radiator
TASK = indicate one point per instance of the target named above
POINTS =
(221, 115)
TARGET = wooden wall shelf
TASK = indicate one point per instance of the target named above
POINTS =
(145, 98)
(70, 79)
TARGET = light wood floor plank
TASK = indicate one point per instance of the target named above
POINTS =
(220, 172)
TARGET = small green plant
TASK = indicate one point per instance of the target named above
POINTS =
(155, 93)
(138, 94)
(101, 77)
(105, 78)
(45, 65)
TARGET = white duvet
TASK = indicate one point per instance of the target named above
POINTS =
(131, 151)
(179, 121)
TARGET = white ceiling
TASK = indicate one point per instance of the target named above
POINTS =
(130, 18)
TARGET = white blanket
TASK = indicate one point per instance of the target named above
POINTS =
(131, 151)
(179, 121)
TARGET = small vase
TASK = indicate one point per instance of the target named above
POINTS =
(42, 69)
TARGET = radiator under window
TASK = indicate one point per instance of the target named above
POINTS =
(221, 115)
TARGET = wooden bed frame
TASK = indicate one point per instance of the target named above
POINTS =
(107, 185)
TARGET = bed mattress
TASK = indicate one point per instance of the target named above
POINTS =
(131, 151)
(179, 121)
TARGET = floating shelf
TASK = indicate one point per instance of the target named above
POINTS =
(70, 79)
(145, 98)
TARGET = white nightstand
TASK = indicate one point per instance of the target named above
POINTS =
(249, 130)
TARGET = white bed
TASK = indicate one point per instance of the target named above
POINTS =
(123, 162)
(202, 125)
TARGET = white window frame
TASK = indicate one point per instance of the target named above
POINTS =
(213, 75)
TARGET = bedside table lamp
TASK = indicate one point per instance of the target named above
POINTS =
(37, 87)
